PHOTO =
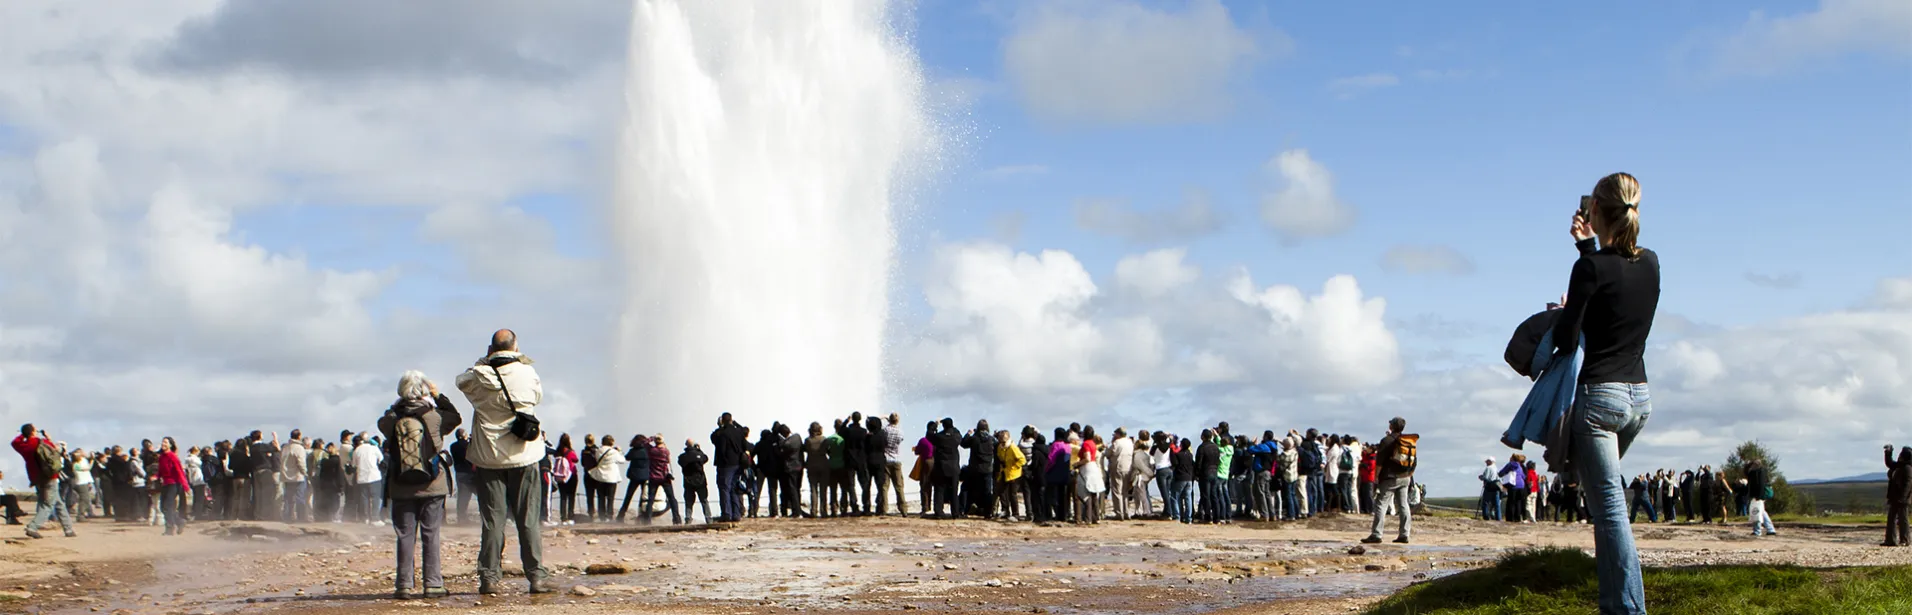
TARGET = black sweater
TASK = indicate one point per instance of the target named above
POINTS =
(1612, 301)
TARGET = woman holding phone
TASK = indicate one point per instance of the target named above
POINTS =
(1611, 299)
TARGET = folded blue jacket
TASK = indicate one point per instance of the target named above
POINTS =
(1544, 413)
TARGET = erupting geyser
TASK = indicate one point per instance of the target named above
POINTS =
(762, 145)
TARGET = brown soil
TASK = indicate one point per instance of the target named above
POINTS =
(845, 566)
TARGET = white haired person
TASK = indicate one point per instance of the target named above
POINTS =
(420, 478)
(1612, 296)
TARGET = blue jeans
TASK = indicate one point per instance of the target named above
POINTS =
(1642, 500)
(1606, 418)
(1290, 504)
(1490, 502)
(728, 500)
(1184, 500)
(1223, 512)
(1165, 483)
(1314, 493)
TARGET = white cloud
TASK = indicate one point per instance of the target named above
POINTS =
(1036, 331)
(1192, 218)
(1426, 259)
(1155, 273)
(136, 297)
(1776, 281)
(1348, 87)
(1893, 294)
(1305, 206)
(1767, 45)
(1118, 61)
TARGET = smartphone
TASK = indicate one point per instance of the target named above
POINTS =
(1586, 203)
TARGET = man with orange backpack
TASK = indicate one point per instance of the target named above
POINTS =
(43, 463)
(1397, 458)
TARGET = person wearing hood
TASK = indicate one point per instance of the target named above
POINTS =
(948, 453)
(637, 468)
(1898, 492)
(418, 508)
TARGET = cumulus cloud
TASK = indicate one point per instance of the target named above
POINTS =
(1036, 330)
(1193, 217)
(1122, 62)
(1305, 206)
(1893, 294)
(1426, 259)
(1349, 87)
(425, 38)
(139, 303)
(1767, 45)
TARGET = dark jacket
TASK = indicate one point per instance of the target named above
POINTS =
(856, 442)
(728, 444)
(265, 455)
(1208, 460)
(792, 451)
(875, 447)
(691, 463)
(459, 463)
(1184, 463)
(638, 463)
(982, 450)
(1756, 481)
(1308, 458)
(949, 452)
(768, 451)
(1898, 480)
(240, 459)
(438, 416)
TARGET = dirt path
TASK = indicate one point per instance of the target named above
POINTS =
(841, 566)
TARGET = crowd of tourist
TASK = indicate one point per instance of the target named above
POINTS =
(1517, 493)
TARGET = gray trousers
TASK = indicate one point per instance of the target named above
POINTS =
(265, 500)
(893, 477)
(509, 496)
(419, 520)
(1387, 493)
(49, 507)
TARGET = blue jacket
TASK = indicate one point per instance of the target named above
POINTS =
(1544, 412)
(1262, 453)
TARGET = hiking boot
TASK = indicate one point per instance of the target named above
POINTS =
(72, 534)
(403, 593)
(487, 588)
(542, 586)
(436, 592)
(33, 533)
(1371, 540)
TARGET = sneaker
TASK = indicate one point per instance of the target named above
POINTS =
(542, 586)
(403, 593)
(1371, 540)
(436, 592)
(33, 533)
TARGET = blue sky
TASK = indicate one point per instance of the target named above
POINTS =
(382, 202)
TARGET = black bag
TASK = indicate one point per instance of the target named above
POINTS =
(523, 425)
(1526, 340)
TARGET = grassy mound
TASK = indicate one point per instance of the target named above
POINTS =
(1561, 581)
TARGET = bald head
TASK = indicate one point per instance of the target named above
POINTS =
(504, 340)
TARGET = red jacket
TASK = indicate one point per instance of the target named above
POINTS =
(1370, 469)
(660, 463)
(29, 449)
(1533, 481)
(171, 472)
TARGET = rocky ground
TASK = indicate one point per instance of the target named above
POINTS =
(839, 566)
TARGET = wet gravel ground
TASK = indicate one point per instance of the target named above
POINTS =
(842, 566)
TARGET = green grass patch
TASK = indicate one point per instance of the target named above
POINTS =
(1559, 581)
(1877, 519)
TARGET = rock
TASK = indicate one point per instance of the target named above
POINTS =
(937, 545)
(580, 590)
(262, 538)
(15, 594)
(1358, 550)
(623, 589)
(1308, 572)
(1375, 568)
(949, 566)
(910, 607)
(993, 583)
(1207, 576)
(592, 541)
(607, 569)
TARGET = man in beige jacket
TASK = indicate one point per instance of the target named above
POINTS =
(500, 386)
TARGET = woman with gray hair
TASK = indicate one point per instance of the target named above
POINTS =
(418, 482)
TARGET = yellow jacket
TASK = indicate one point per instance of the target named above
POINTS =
(1012, 460)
